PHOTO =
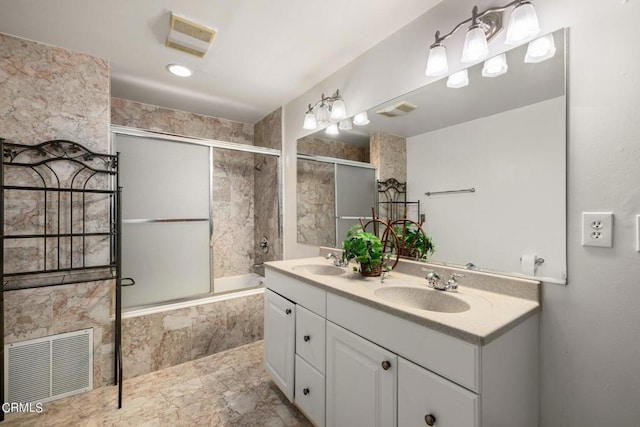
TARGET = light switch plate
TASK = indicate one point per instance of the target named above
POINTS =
(637, 233)
(597, 229)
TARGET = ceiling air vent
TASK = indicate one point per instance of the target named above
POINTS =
(189, 36)
(399, 109)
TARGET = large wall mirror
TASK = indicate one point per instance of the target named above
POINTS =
(503, 136)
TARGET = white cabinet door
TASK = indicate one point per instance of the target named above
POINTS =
(425, 398)
(310, 391)
(361, 380)
(279, 340)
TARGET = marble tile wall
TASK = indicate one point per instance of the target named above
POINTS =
(268, 133)
(389, 155)
(160, 340)
(316, 203)
(159, 119)
(52, 93)
(326, 147)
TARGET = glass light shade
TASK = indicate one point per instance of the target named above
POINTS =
(496, 66)
(345, 125)
(459, 79)
(310, 122)
(323, 115)
(475, 46)
(437, 61)
(523, 23)
(338, 110)
(332, 129)
(540, 49)
(361, 119)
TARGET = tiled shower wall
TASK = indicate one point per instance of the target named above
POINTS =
(52, 93)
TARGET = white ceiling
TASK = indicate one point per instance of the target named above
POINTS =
(266, 52)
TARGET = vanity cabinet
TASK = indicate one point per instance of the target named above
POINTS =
(345, 363)
(361, 381)
(279, 341)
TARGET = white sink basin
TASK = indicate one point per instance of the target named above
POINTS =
(319, 269)
(422, 299)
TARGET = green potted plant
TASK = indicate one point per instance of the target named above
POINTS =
(367, 249)
(413, 241)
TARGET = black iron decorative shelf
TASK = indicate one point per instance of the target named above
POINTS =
(53, 194)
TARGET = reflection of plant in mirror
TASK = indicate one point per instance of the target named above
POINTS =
(414, 242)
(367, 249)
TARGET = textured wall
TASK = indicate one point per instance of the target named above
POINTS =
(267, 133)
(326, 147)
(47, 93)
(389, 154)
(160, 340)
(316, 223)
(151, 117)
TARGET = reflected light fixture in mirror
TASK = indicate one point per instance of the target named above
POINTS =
(523, 24)
(459, 79)
(361, 119)
(324, 111)
(345, 125)
(496, 66)
(332, 129)
(540, 49)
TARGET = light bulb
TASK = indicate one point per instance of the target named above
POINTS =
(323, 115)
(361, 119)
(523, 23)
(310, 121)
(332, 129)
(178, 70)
(475, 45)
(496, 66)
(540, 49)
(437, 61)
(345, 124)
(459, 79)
(338, 110)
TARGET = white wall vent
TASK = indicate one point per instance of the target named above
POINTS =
(49, 368)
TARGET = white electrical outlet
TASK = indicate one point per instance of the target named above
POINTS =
(597, 229)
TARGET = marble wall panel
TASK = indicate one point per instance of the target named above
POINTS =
(389, 155)
(160, 340)
(268, 133)
(329, 148)
(52, 93)
(151, 117)
(316, 203)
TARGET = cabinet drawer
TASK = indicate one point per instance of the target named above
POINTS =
(312, 297)
(422, 393)
(310, 337)
(309, 394)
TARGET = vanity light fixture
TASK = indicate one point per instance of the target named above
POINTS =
(345, 125)
(327, 109)
(540, 49)
(179, 70)
(523, 24)
(459, 79)
(496, 66)
(361, 119)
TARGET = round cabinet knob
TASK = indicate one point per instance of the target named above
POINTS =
(307, 338)
(288, 311)
(305, 391)
(430, 419)
(386, 365)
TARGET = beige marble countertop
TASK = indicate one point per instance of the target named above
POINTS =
(491, 314)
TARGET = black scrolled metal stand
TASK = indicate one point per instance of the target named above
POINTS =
(37, 163)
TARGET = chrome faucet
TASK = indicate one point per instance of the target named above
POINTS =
(451, 285)
(337, 260)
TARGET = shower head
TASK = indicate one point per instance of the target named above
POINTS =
(260, 164)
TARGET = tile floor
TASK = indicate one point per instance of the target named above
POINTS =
(225, 389)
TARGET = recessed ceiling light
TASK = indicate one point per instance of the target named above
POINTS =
(179, 70)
